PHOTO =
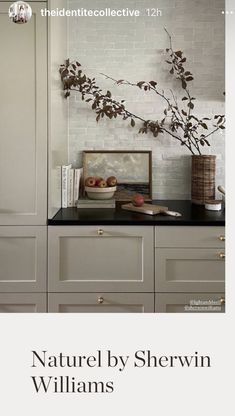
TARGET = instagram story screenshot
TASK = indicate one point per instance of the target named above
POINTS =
(115, 126)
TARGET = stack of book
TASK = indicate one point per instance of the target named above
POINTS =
(95, 203)
(70, 185)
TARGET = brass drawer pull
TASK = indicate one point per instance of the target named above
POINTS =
(221, 238)
(222, 301)
(100, 232)
(100, 300)
(221, 255)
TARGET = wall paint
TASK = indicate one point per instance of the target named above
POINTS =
(133, 49)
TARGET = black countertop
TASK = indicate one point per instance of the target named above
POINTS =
(191, 215)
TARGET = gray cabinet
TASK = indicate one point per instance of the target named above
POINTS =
(23, 126)
(23, 302)
(107, 259)
(190, 236)
(111, 269)
(190, 302)
(189, 259)
(23, 259)
(101, 302)
(189, 270)
(23, 162)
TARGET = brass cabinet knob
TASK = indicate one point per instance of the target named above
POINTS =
(222, 301)
(222, 238)
(100, 300)
(221, 255)
(100, 232)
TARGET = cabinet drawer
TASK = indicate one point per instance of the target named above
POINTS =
(23, 259)
(23, 302)
(188, 236)
(94, 259)
(101, 302)
(189, 270)
(190, 302)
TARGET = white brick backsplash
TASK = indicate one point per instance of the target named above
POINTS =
(133, 49)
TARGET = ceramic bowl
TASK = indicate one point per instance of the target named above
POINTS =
(100, 193)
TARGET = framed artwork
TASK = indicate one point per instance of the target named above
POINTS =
(133, 170)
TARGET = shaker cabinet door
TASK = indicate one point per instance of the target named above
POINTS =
(94, 259)
(23, 302)
(101, 302)
(189, 270)
(190, 302)
(23, 259)
(23, 119)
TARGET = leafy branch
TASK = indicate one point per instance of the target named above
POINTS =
(178, 121)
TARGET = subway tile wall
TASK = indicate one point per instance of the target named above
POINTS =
(133, 49)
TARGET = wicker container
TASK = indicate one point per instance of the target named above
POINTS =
(203, 178)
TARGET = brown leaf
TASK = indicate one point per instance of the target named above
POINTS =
(132, 122)
(179, 53)
(140, 84)
(191, 105)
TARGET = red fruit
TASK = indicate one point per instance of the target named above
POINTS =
(102, 184)
(91, 181)
(112, 181)
(97, 180)
(138, 200)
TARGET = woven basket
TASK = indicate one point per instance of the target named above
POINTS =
(203, 178)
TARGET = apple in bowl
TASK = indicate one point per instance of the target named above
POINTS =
(90, 181)
(112, 181)
(99, 188)
(101, 183)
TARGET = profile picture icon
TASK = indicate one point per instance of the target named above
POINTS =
(20, 12)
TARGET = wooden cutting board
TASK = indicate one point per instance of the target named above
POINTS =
(148, 209)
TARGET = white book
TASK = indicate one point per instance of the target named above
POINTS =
(71, 188)
(64, 187)
(77, 178)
